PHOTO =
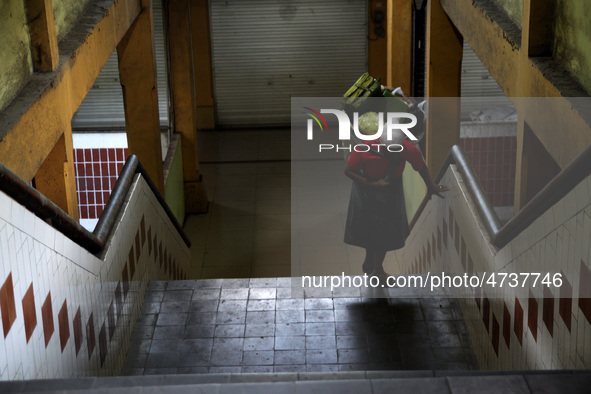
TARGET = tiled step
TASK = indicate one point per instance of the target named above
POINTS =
(326, 383)
(256, 325)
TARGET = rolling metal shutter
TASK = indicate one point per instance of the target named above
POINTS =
(479, 89)
(264, 52)
(102, 108)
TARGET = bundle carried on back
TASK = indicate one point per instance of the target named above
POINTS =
(360, 98)
(366, 86)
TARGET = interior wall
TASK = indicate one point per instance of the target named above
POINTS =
(572, 39)
(16, 66)
(66, 13)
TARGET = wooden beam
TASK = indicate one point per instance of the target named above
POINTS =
(377, 45)
(202, 64)
(56, 178)
(183, 101)
(43, 35)
(137, 72)
(444, 67)
(496, 49)
(35, 121)
(399, 34)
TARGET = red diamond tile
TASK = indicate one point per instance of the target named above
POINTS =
(90, 338)
(78, 335)
(584, 292)
(47, 317)
(506, 326)
(7, 305)
(532, 315)
(111, 319)
(29, 313)
(486, 312)
(495, 334)
(565, 304)
(103, 348)
(64, 325)
(548, 310)
(125, 280)
(138, 249)
(118, 299)
(143, 230)
(132, 262)
(518, 324)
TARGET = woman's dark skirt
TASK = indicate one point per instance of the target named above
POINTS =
(376, 218)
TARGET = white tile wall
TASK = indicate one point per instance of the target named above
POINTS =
(33, 252)
(556, 242)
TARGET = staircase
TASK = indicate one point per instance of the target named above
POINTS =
(257, 325)
(361, 382)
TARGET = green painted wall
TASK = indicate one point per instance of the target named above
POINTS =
(414, 190)
(572, 39)
(15, 55)
(174, 193)
(66, 13)
(513, 8)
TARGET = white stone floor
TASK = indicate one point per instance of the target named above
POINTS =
(253, 199)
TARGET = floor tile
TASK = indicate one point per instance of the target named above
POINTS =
(290, 342)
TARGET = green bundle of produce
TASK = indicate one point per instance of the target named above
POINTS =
(366, 86)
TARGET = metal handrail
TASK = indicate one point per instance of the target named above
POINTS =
(570, 176)
(94, 242)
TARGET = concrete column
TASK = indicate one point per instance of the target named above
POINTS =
(444, 67)
(137, 72)
(183, 101)
(56, 178)
(399, 34)
(43, 35)
(202, 64)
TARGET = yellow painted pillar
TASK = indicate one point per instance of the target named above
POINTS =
(56, 178)
(137, 72)
(399, 34)
(43, 35)
(444, 67)
(183, 101)
(377, 48)
(202, 64)
(32, 125)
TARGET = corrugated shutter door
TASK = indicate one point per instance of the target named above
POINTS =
(479, 89)
(264, 52)
(161, 63)
(102, 108)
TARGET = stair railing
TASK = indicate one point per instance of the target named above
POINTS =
(94, 242)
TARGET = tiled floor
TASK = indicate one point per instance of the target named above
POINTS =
(246, 232)
(253, 325)
(248, 229)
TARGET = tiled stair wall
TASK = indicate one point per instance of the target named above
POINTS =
(66, 312)
(515, 328)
